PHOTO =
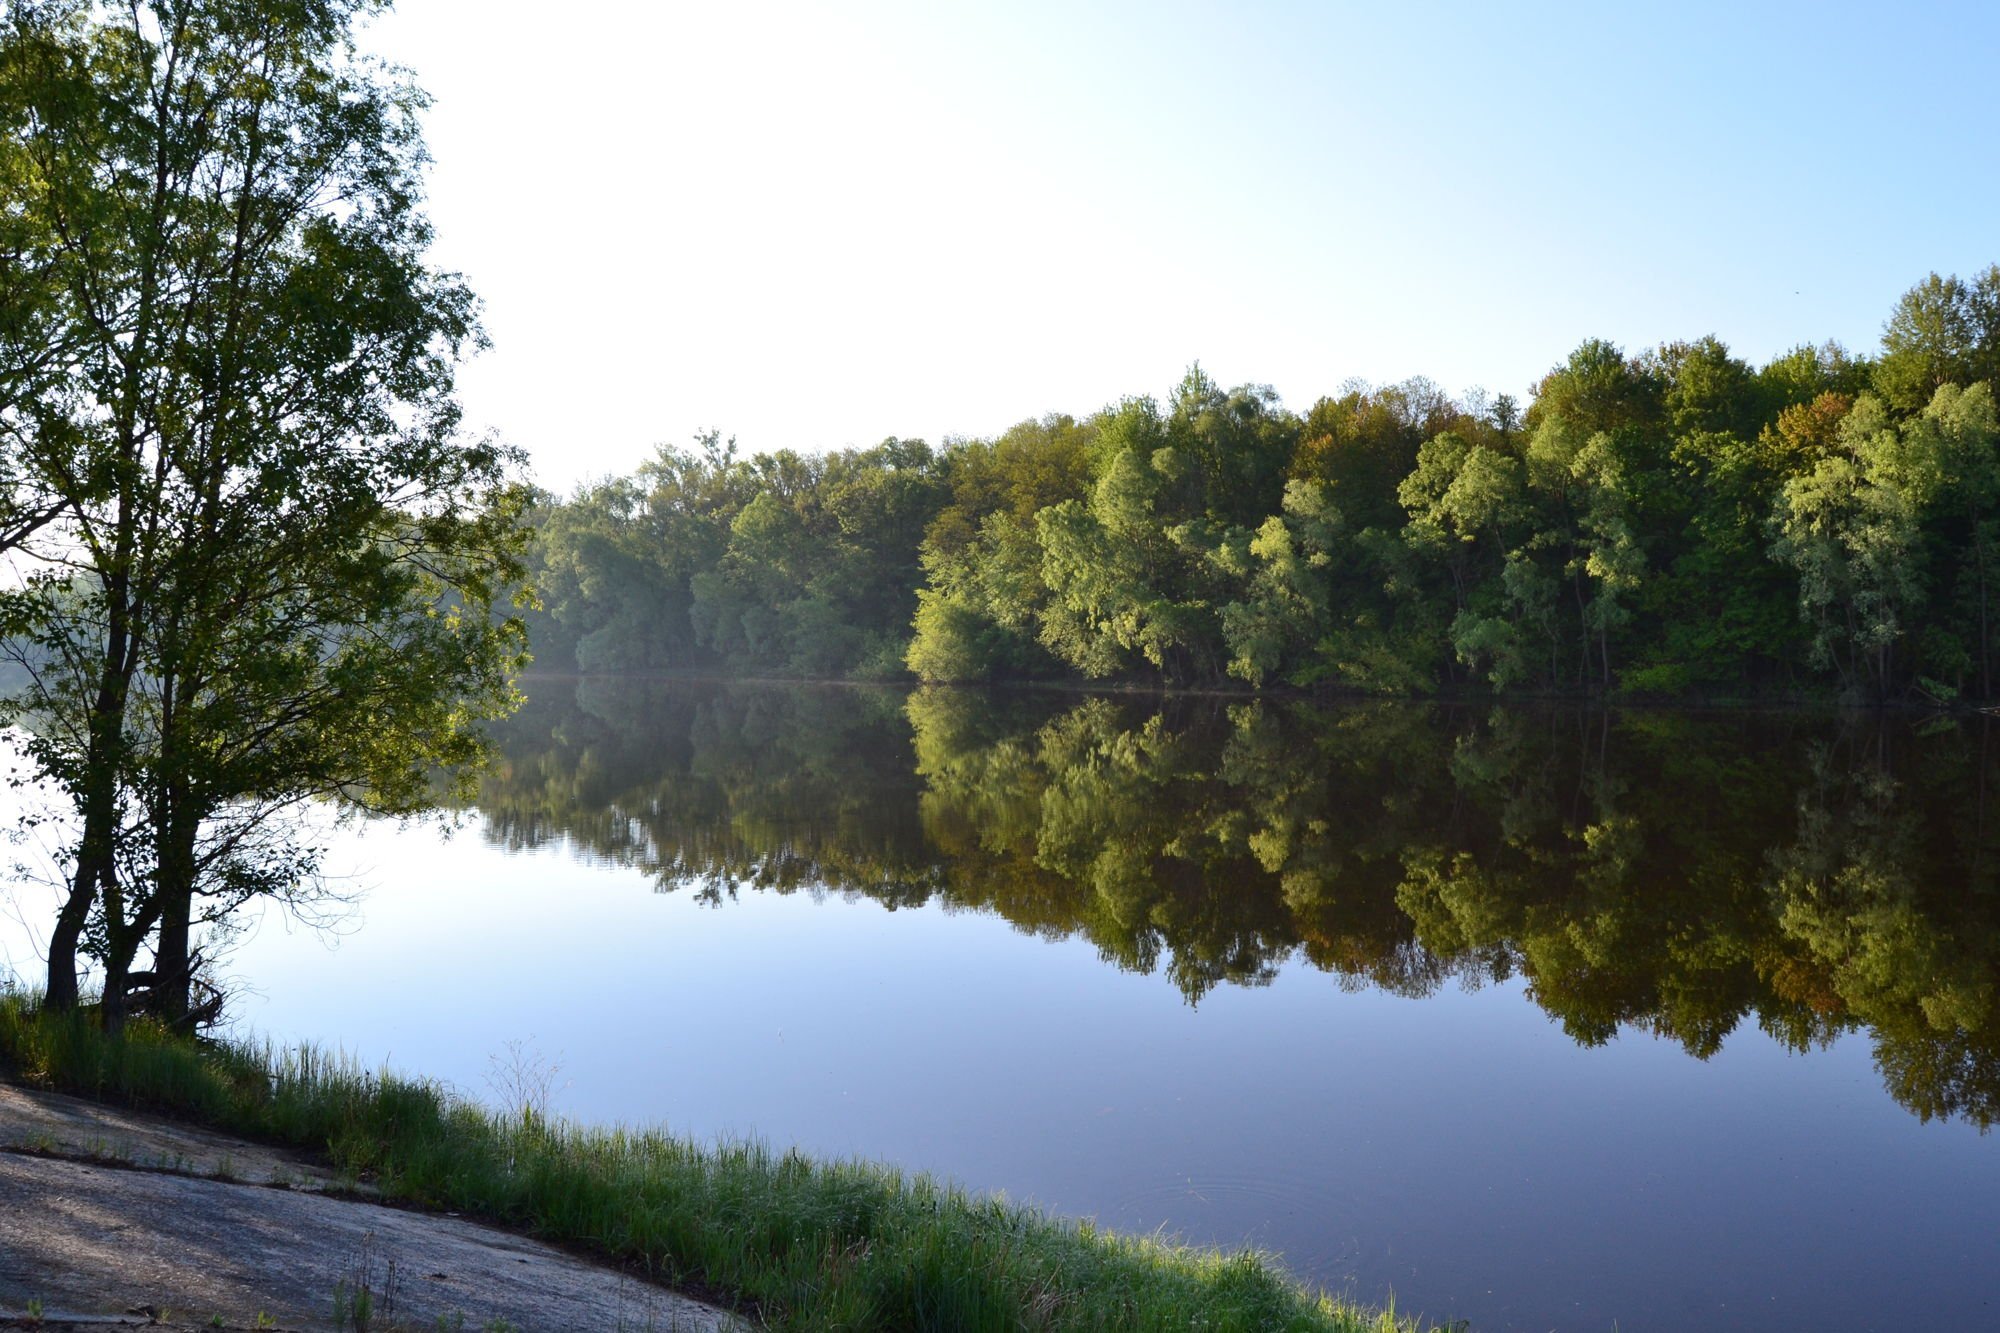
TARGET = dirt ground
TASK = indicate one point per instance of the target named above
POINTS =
(111, 1218)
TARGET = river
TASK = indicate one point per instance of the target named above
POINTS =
(1542, 1018)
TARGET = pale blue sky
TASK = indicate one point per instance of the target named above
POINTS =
(817, 225)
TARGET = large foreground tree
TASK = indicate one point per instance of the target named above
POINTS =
(261, 557)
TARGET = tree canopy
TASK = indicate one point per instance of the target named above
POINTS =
(1662, 521)
(260, 558)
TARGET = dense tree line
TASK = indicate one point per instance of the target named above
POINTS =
(805, 565)
(1662, 872)
(1667, 521)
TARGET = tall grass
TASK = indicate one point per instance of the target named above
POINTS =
(802, 1244)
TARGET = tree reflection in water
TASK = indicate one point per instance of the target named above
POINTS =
(1667, 872)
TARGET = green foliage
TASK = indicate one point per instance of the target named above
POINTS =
(272, 566)
(1660, 522)
(1944, 331)
(1361, 444)
(1121, 574)
(781, 563)
(1283, 608)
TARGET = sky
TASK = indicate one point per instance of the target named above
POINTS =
(812, 226)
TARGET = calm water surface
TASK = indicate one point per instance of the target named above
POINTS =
(1542, 1019)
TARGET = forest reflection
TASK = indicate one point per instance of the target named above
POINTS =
(1665, 872)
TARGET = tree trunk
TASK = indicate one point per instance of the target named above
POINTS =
(61, 995)
(122, 939)
(174, 959)
(112, 1006)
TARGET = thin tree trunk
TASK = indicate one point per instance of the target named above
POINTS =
(61, 993)
(173, 966)
(175, 886)
(111, 1007)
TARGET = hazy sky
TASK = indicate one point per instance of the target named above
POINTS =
(814, 225)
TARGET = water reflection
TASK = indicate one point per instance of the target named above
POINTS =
(1666, 872)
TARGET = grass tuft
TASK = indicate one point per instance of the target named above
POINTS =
(804, 1244)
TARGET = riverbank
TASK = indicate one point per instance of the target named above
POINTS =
(113, 1217)
(1769, 700)
(787, 1241)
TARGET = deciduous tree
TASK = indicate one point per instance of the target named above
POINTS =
(274, 566)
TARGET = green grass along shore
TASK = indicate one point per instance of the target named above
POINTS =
(797, 1243)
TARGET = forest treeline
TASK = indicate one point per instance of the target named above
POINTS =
(1669, 521)
(1657, 871)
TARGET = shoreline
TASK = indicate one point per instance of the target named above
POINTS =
(1796, 703)
(773, 1236)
